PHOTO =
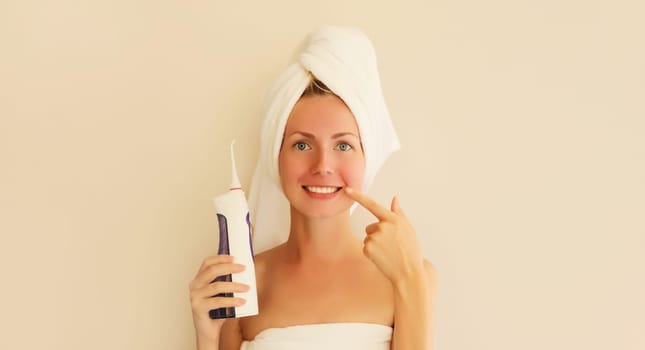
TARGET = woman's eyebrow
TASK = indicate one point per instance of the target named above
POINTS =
(334, 136)
(341, 134)
(302, 133)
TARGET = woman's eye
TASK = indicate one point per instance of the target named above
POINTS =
(344, 147)
(301, 146)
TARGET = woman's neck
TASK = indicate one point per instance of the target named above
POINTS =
(321, 240)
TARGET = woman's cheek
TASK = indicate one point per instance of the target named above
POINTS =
(354, 177)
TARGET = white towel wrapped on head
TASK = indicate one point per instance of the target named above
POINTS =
(344, 60)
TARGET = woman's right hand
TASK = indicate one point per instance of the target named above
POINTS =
(203, 291)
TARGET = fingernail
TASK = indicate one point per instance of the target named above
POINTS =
(240, 301)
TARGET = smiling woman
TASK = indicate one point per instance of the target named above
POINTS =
(326, 132)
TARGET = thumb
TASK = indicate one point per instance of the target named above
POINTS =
(395, 205)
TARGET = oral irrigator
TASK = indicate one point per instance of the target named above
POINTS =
(235, 239)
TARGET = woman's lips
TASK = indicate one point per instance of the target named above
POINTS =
(322, 189)
(322, 192)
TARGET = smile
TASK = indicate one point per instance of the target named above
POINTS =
(320, 189)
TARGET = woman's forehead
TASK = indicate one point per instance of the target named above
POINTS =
(321, 114)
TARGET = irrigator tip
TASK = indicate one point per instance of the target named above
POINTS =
(235, 181)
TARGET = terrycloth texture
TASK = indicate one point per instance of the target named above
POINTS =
(343, 59)
(336, 336)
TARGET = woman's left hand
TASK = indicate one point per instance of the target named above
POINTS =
(391, 243)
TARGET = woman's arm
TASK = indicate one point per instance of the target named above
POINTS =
(413, 309)
(230, 337)
(204, 296)
(391, 243)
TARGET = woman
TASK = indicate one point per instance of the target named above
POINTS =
(326, 132)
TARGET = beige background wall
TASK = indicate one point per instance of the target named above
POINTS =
(523, 160)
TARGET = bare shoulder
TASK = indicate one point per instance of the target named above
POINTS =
(265, 263)
(266, 258)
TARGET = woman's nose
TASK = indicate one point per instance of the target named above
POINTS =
(322, 164)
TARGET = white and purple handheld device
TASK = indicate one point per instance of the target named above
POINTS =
(235, 239)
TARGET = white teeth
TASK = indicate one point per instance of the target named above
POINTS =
(317, 189)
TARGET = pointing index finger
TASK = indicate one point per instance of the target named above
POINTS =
(368, 203)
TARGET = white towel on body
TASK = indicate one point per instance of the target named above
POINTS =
(325, 336)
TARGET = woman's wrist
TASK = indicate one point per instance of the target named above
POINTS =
(207, 343)
(414, 277)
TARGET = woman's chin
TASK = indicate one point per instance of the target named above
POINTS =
(320, 212)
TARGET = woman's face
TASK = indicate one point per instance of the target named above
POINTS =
(321, 153)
